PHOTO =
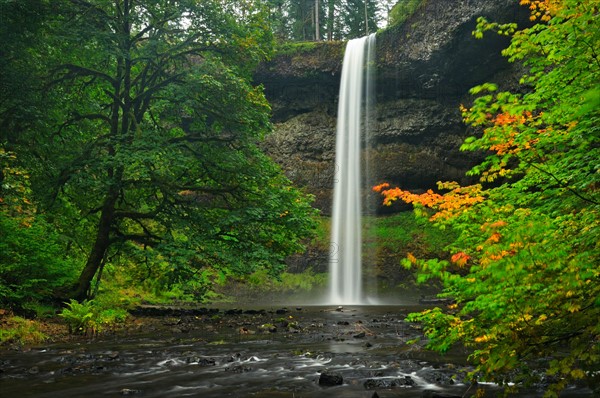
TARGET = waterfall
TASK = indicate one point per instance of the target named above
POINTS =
(345, 262)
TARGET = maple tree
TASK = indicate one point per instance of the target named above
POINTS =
(524, 269)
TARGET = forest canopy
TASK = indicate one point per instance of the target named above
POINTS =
(130, 134)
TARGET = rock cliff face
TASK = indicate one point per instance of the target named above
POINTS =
(425, 68)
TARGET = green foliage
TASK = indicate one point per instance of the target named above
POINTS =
(90, 317)
(358, 18)
(296, 48)
(338, 19)
(403, 10)
(524, 270)
(287, 283)
(146, 147)
(405, 230)
(17, 330)
(33, 265)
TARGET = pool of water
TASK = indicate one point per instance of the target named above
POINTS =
(235, 355)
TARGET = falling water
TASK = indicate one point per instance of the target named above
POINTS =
(345, 265)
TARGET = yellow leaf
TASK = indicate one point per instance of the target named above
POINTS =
(577, 374)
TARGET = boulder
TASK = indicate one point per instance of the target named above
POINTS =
(330, 379)
(388, 383)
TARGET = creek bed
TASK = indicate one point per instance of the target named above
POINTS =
(266, 352)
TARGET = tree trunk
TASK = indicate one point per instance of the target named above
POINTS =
(330, 17)
(366, 19)
(317, 22)
(100, 247)
(122, 98)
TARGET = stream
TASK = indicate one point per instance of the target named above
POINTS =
(263, 352)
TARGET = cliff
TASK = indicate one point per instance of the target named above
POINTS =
(425, 68)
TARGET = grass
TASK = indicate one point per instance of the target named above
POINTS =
(17, 330)
(404, 229)
(393, 232)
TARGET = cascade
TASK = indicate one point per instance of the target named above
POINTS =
(345, 258)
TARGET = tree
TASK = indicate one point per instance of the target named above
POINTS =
(19, 32)
(303, 19)
(524, 270)
(359, 18)
(33, 265)
(331, 6)
(152, 147)
(331, 19)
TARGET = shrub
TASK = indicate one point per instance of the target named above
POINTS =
(89, 318)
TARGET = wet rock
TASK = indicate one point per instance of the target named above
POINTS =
(173, 322)
(238, 368)
(439, 378)
(436, 301)
(389, 383)
(293, 327)
(129, 391)
(340, 309)
(409, 366)
(330, 379)
(282, 311)
(344, 323)
(268, 328)
(359, 335)
(235, 357)
(201, 361)
(153, 310)
(420, 84)
(436, 394)
(206, 362)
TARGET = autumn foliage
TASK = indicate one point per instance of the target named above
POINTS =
(455, 200)
(523, 271)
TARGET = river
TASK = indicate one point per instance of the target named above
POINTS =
(263, 352)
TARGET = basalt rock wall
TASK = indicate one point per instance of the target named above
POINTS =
(425, 68)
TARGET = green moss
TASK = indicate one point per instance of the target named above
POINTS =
(293, 48)
(405, 229)
(21, 331)
(403, 10)
(396, 233)
(311, 56)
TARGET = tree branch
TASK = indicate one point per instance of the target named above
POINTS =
(75, 71)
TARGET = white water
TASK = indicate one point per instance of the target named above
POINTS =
(345, 265)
